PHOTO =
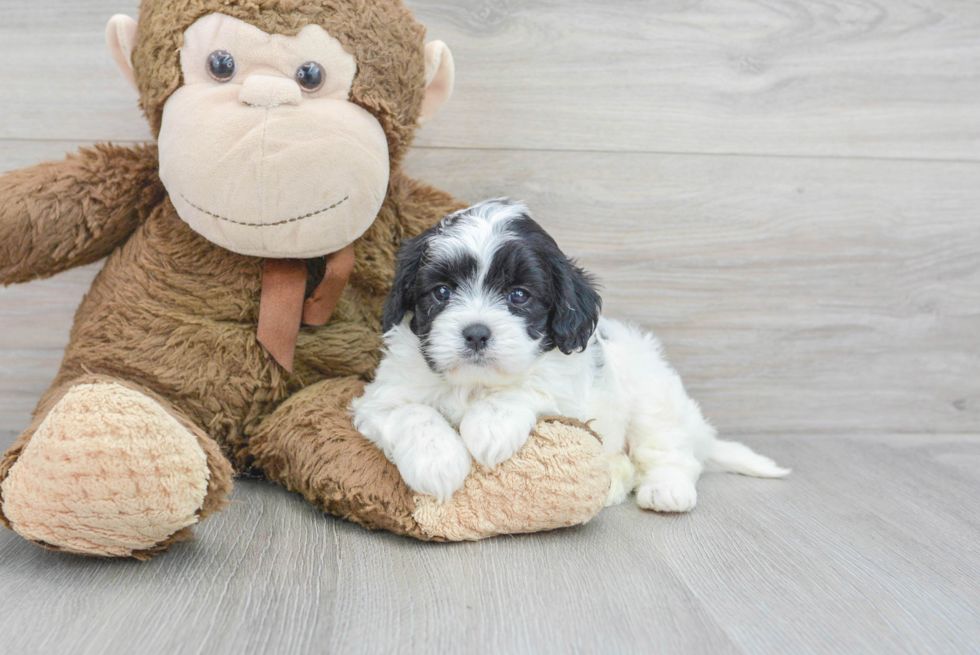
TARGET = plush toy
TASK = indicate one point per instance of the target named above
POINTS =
(238, 312)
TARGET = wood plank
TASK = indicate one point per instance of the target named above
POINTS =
(793, 295)
(88, 97)
(788, 77)
(557, 592)
(870, 546)
(260, 579)
(273, 575)
(837, 78)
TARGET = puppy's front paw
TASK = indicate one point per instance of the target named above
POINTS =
(667, 491)
(494, 434)
(437, 468)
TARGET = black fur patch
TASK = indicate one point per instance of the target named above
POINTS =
(564, 303)
(452, 273)
(417, 276)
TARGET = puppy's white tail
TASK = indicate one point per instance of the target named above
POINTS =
(733, 457)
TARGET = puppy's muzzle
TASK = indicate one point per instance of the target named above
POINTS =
(477, 337)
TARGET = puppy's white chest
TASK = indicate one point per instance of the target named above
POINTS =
(588, 387)
(456, 402)
(606, 412)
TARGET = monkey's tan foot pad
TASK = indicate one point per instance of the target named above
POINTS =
(559, 479)
(109, 472)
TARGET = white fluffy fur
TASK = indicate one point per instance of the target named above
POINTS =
(429, 423)
(635, 398)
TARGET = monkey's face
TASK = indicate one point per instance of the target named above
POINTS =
(261, 150)
(278, 122)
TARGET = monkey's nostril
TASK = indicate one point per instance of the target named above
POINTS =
(477, 336)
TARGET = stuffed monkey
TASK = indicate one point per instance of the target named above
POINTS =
(239, 310)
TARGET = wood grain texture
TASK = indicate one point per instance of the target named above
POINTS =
(788, 77)
(869, 547)
(847, 557)
(242, 588)
(870, 78)
(793, 295)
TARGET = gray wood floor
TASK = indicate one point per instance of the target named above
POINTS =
(785, 191)
(872, 546)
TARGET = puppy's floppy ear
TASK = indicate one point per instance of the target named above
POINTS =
(402, 298)
(577, 307)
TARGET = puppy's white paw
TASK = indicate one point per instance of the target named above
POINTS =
(667, 491)
(493, 434)
(436, 467)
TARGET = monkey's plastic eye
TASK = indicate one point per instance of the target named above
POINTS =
(221, 66)
(442, 294)
(310, 76)
(519, 297)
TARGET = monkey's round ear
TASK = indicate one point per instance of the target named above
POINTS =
(440, 76)
(120, 34)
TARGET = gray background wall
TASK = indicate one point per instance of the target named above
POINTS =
(787, 192)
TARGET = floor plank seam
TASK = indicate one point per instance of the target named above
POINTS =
(584, 151)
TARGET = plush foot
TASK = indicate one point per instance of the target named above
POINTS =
(667, 490)
(558, 479)
(108, 472)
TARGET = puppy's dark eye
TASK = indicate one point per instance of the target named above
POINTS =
(442, 294)
(519, 297)
(221, 65)
(310, 76)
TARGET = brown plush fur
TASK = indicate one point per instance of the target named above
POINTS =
(70, 213)
(174, 316)
(310, 446)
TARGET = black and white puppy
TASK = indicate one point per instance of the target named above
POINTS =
(489, 327)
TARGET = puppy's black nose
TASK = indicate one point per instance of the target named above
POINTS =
(477, 336)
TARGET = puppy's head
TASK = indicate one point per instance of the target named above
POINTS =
(489, 291)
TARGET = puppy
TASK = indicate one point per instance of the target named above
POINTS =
(489, 327)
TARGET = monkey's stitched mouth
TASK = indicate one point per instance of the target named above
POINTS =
(289, 220)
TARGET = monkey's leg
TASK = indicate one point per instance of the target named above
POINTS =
(109, 469)
(560, 478)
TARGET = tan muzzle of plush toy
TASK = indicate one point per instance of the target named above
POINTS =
(303, 171)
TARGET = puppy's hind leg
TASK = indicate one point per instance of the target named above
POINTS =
(667, 481)
(622, 475)
(668, 446)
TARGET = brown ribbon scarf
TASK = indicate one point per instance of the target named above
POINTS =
(284, 306)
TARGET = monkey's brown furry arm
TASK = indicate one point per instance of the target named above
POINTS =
(57, 215)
